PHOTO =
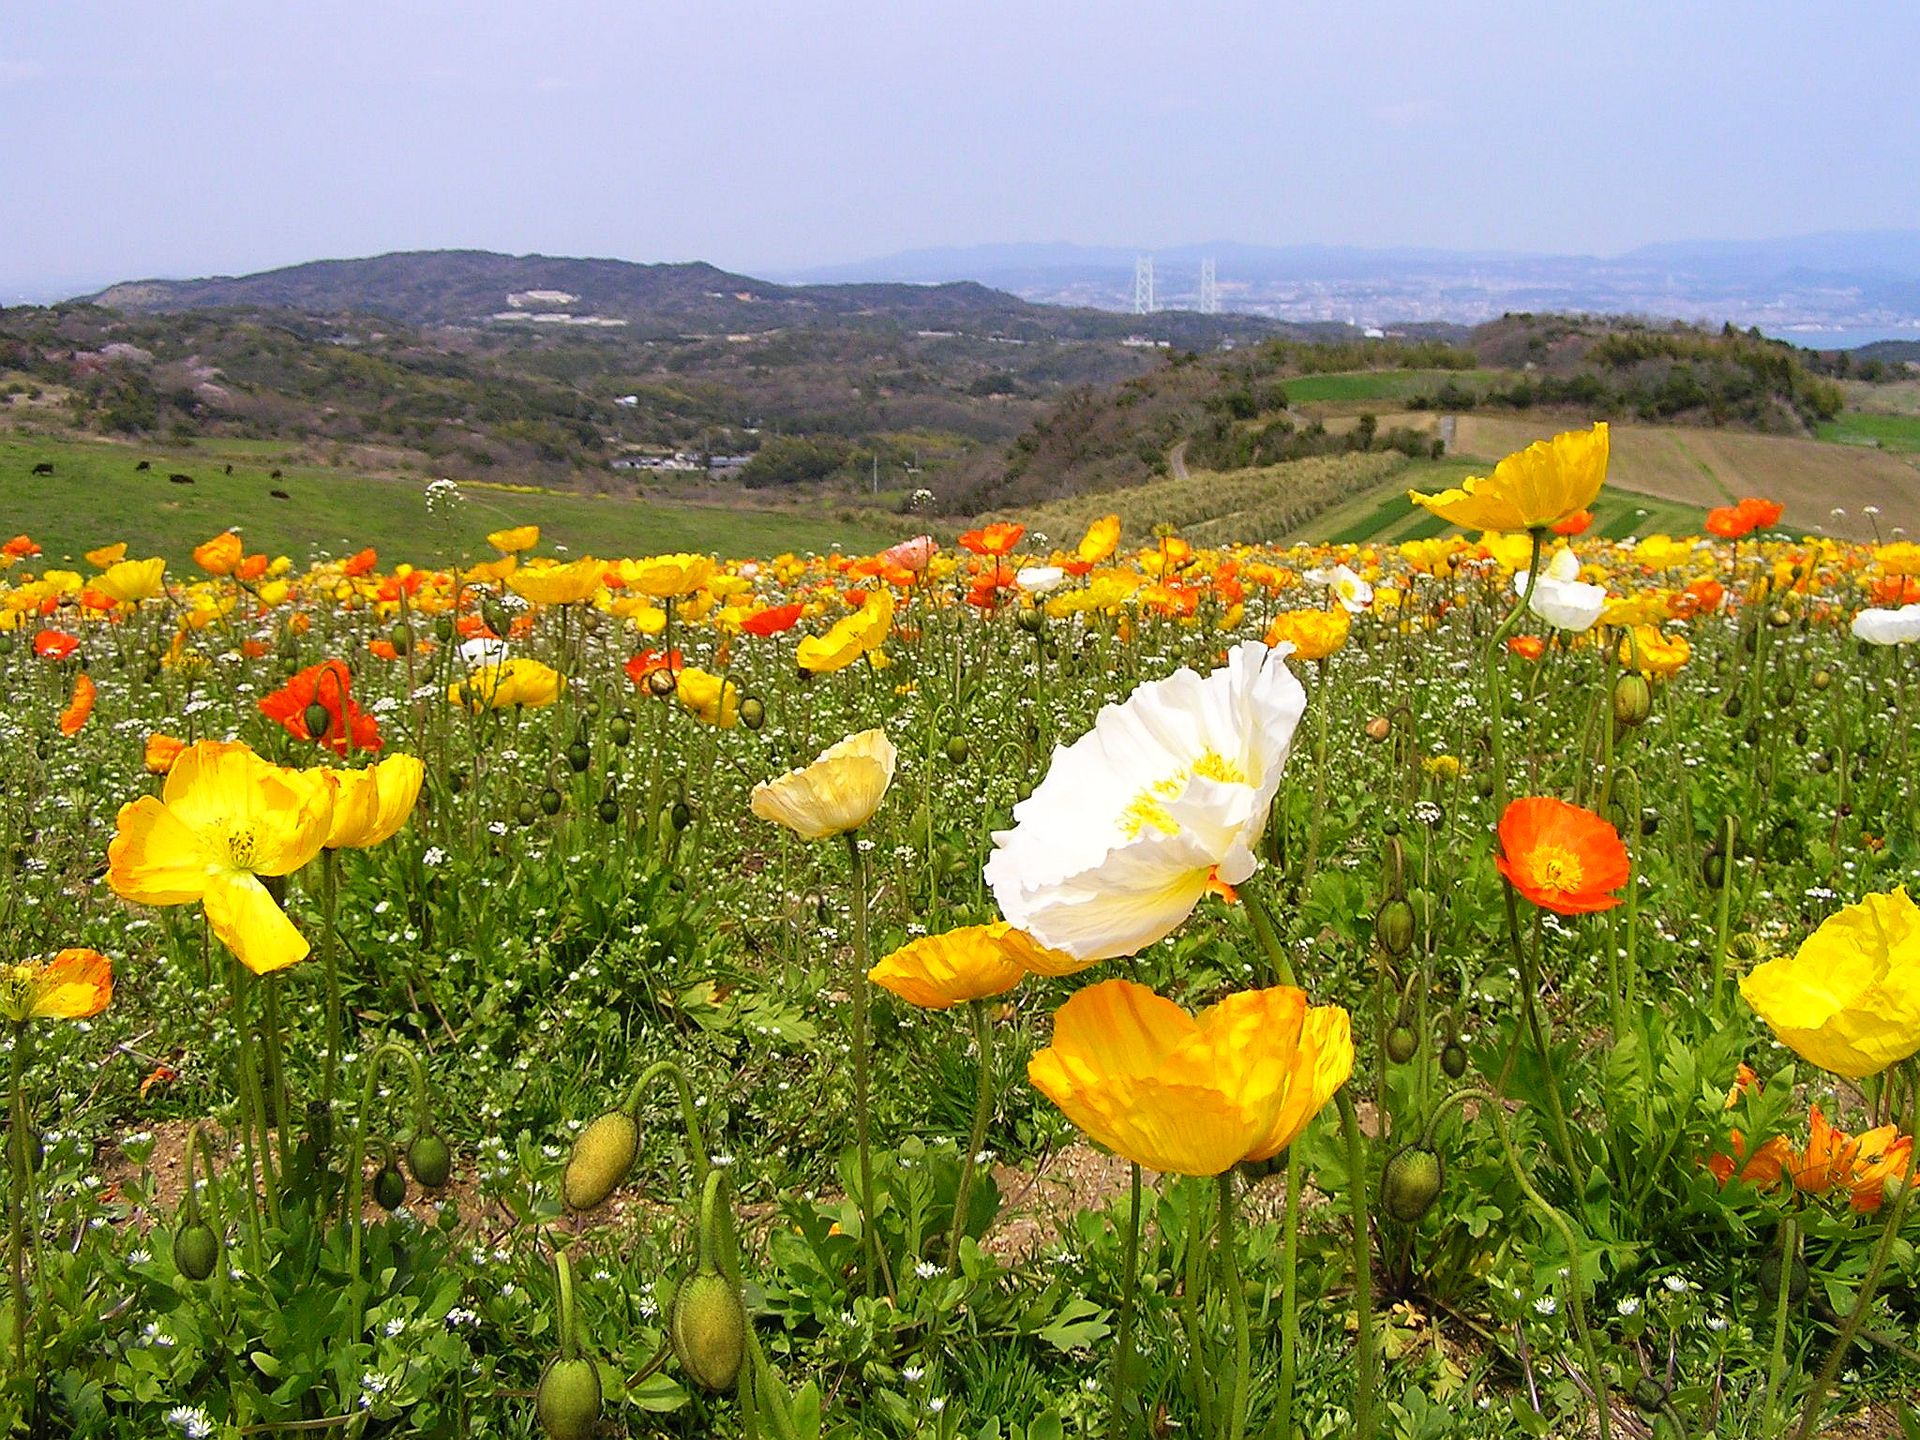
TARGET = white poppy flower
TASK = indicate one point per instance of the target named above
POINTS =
(1348, 588)
(1888, 627)
(1039, 579)
(1167, 794)
(1560, 597)
(482, 650)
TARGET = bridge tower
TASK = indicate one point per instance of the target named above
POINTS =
(1143, 303)
(1209, 288)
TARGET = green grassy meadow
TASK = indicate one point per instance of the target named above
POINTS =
(96, 497)
(1889, 432)
(1369, 385)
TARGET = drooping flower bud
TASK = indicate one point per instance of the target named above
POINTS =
(1412, 1183)
(196, 1248)
(709, 1329)
(602, 1156)
(430, 1159)
(569, 1399)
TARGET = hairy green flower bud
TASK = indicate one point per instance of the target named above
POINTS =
(1649, 1395)
(1401, 1044)
(602, 1156)
(1632, 700)
(568, 1400)
(957, 750)
(430, 1160)
(709, 1329)
(1769, 1277)
(753, 712)
(389, 1187)
(196, 1249)
(1412, 1183)
(1393, 926)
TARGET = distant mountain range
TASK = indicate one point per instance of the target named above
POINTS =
(478, 287)
(1858, 281)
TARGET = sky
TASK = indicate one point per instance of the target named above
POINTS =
(212, 138)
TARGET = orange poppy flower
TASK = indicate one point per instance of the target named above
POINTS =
(1561, 857)
(219, 555)
(19, 548)
(162, 750)
(326, 685)
(996, 539)
(54, 644)
(251, 567)
(1727, 522)
(80, 706)
(1527, 647)
(360, 564)
(1759, 514)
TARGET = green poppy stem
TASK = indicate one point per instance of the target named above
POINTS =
(1237, 1308)
(1496, 675)
(20, 1177)
(1869, 1286)
(1129, 1285)
(1782, 1305)
(977, 1138)
(1528, 959)
(1289, 1299)
(330, 967)
(870, 1236)
(1365, 1377)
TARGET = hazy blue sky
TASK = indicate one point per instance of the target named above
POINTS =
(193, 138)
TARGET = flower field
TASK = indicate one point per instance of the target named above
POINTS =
(1470, 985)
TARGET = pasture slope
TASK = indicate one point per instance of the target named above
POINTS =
(96, 496)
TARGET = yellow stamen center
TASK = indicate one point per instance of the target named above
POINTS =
(1557, 868)
(241, 846)
(1148, 809)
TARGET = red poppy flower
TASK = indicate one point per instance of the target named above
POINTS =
(776, 621)
(998, 538)
(641, 667)
(326, 685)
(1574, 524)
(54, 644)
(1759, 514)
(1728, 523)
(1561, 857)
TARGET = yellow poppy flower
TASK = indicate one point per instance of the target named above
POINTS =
(225, 818)
(513, 541)
(836, 793)
(1531, 488)
(107, 556)
(558, 584)
(1193, 1095)
(937, 972)
(1314, 634)
(1660, 655)
(665, 577)
(708, 697)
(510, 683)
(74, 985)
(370, 805)
(850, 637)
(131, 581)
(1100, 541)
(1849, 999)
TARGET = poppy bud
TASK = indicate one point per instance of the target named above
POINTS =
(1412, 1183)
(1649, 1395)
(1713, 868)
(550, 800)
(1822, 679)
(1379, 728)
(608, 809)
(681, 815)
(430, 1160)
(1732, 707)
(1453, 1059)
(753, 712)
(662, 683)
(526, 812)
(495, 614)
(443, 628)
(709, 1329)
(1822, 764)
(958, 750)
(1779, 618)
(318, 718)
(579, 757)
(1783, 697)
(1769, 1278)
(389, 1187)
(401, 638)
(1632, 700)
(1393, 926)
(196, 1249)
(569, 1398)
(1401, 1043)
(602, 1156)
(620, 730)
